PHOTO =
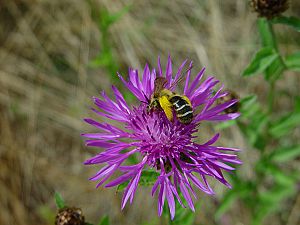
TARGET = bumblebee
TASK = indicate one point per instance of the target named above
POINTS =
(170, 102)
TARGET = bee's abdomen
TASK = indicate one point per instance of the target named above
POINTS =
(183, 109)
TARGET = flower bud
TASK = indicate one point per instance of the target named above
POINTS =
(69, 216)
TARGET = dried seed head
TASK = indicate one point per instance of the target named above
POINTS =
(269, 8)
(230, 96)
(69, 216)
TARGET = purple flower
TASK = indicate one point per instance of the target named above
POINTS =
(167, 147)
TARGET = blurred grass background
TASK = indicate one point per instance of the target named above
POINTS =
(56, 54)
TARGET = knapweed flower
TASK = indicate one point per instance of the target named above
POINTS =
(168, 147)
(269, 8)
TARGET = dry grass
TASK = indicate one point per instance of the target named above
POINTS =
(45, 84)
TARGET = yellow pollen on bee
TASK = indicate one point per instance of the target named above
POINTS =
(166, 105)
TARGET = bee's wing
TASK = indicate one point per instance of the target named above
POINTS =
(159, 84)
(180, 78)
(187, 100)
(166, 105)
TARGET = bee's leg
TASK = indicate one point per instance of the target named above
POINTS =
(166, 105)
(153, 105)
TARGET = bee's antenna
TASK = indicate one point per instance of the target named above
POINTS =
(144, 102)
(181, 77)
(148, 100)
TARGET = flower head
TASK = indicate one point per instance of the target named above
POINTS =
(168, 147)
(269, 8)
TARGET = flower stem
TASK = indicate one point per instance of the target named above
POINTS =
(267, 33)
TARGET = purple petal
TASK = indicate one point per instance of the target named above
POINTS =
(161, 198)
(120, 179)
(170, 199)
(146, 79)
(213, 139)
(195, 83)
(131, 188)
(169, 70)
(221, 165)
(187, 80)
(186, 195)
(160, 73)
(178, 74)
(133, 89)
(224, 117)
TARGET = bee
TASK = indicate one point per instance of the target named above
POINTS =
(168, 101)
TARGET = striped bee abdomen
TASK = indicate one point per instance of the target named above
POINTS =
(183, 109)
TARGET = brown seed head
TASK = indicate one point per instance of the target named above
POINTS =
(69, 216)
(269, 8)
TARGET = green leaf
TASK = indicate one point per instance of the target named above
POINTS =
(276, 194)
(288, 122)
(226, 202)
(254, 128)
(248, 104)
(183, 216)
(186, 218)
(249, 107)
(47, 214)
(104, 220)
(106, 19)
(285, 124)
(59, 201)
(297, 104)
(148, 177)
(129, 97)
(281, 177)
(251, 112)
(269, 168)
(132, 159)
(274, 71)
(241, 189)
(284, 154)
(247, 101)
(293, 61)
(153, 221)
(118, 15)
(226, 124)
(102, 59)
(293, 22)
(261, 61)
(270, 202)
(121, 187)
